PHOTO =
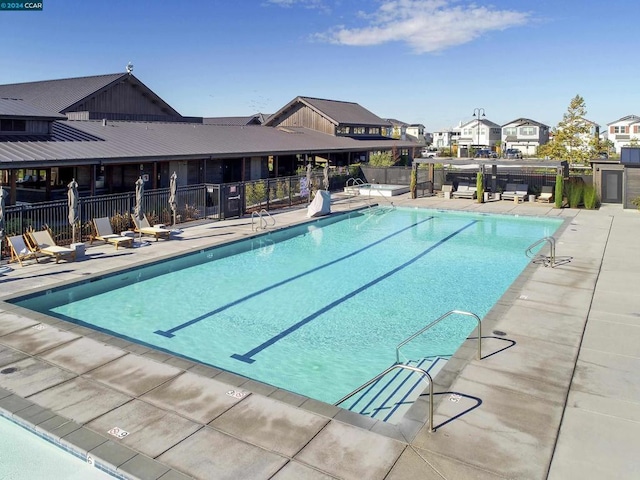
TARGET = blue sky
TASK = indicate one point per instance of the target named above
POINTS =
(419, 61)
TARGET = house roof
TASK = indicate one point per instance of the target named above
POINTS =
(14, 107)
(475, 121)
(524, 121)
(336, 111)
(628, 118)
(63, 94)
(90, 141)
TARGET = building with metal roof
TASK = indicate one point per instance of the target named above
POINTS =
(106, 131)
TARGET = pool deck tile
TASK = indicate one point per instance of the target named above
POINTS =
(198, 398)
(151, 430)
(80, 399)
(556, 397)
(287, 431)
(212, 454)
(134, 375)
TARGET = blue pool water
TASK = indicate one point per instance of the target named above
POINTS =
(317, 309)
(25, 456)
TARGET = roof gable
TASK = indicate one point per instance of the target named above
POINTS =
(63, 95)
(523, 122)
(338, 112)
(628, 118)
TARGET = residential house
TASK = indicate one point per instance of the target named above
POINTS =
(416, 132)
(477, 134)
(624, 132)
(525, 135)
(397, 129)
(447, 139)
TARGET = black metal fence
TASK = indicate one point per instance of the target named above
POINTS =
(195, 202)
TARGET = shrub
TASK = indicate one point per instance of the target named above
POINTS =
(559, 193)
(590, 198)
(575, 194)
(636, 202)
(480, 187)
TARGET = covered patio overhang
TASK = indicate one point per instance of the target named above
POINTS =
(491, 165)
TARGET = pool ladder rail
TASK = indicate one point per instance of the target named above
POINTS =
(550, 260)
(264, 220)
(402, 392)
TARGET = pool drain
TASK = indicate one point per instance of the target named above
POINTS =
(8, 370)
(499, 333)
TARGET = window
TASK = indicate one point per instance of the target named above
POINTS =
(527, 131)
(510, 130)
(374, 130)
(621, 129)
(343, 130)
(13, 125)
(467, 131)
(358, 130)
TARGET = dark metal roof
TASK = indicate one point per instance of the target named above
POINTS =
(340, 113)
(131, 141)
(58, 95)
(237, 121)
(62, 94)
(17, 108)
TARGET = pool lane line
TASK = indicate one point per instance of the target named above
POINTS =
(171, 332)
(246, 357)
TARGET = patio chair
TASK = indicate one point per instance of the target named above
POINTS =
(446, 191)
(143, 227)
(513, 190)
(546, 195)
(42, 242)
(465, 191)
(105, 233)
(20, 250)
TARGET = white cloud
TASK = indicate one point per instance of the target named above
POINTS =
(426, 25)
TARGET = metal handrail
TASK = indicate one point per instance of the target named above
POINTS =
(547, 261)
(392, 367)
(452, 312)
(354, 181)
(262, 221)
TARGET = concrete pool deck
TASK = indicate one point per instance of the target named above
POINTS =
(557, 396)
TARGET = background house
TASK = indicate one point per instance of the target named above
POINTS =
(477, 134)
(624, 132)
(525, 135)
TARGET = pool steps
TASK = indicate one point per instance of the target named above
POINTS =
(389, 398)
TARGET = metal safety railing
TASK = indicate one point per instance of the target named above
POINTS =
(546, 260)
(264, 220)
(424, 373)
(438, 320)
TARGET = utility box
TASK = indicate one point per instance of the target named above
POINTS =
(78, 248)
(630, 155)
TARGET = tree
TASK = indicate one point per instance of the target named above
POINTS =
(571, 139)
(381, 159)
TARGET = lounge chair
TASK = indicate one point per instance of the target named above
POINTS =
(42, 242)
(143, 227)
(105, 233)
(465, 191)
(546, 195)
(446, 191)
(20, 250)
(513, 190)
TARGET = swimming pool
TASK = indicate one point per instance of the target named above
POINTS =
(319, 308)
(25, 456)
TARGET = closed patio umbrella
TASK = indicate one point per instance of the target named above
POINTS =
(326, 176)
(138, 211)
(173, 187)
(3, 194)
(72, 202)
(309, 181)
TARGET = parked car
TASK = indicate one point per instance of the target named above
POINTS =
(486, 153)
(512, 153)
(428, 153)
